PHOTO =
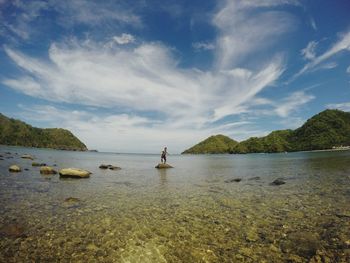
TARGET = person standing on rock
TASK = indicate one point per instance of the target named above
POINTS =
(163, 156)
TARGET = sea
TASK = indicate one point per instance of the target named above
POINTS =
(208, 208)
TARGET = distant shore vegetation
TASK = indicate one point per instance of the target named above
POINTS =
(17, 133)
(329, 129)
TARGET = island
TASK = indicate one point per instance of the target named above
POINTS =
(17, 133)
(327, 130)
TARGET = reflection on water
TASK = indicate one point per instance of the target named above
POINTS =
(196, 212)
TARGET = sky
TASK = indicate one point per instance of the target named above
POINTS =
(135, 76)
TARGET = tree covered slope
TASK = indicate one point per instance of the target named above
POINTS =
(18, 133)
(329, 128)
(213, 144)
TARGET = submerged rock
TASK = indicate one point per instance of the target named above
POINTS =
(254, 178)
(35, 164)
(163, 166)
(14, 169)
(74, 173)
(109, 166)
(237, 180)
(47, 170)
(278, 181)
(27, 156)
(304, 244)
(12, 230)
(71, 202)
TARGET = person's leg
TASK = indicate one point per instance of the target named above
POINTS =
(164, 159)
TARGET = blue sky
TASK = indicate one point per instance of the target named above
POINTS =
(135, 76)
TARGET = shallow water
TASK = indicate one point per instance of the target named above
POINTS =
(191, 213)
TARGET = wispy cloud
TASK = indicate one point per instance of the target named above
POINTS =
(343, 44)
(313, 24)
(340, 106)
(309, 51)
(198, 46)
(146, 79)
(292, 103)
(124, 39)
(68, 13)
(248, 31)
(348, 70)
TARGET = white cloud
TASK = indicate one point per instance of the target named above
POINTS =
(245, 32)
(147, 79)
(343, 44)
(124, 39)
(136, 78)
(67, 13)
(94, 12)
(329, 65)
(313, 24)
(203, 46)
(123, 132)
(348, 70)
(309, 52)
(292, 103)
(340, 106)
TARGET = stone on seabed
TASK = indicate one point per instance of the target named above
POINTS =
(163, 166)
(14, 168)
(47, 170)
(27, 156)
(74, 173)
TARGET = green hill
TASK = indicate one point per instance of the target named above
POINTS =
(213, 144)
(323, 131)
(329, 128)
(276, 141)
(18, 133)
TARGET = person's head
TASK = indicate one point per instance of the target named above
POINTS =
(165, 148)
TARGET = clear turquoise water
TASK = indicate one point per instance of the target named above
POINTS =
(186, 214)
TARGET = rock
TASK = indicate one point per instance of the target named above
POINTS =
(26, 169)
(47, 170)
(163, 166)
(71, 202)
(255, 178)
(278, 181)
(14, 169)
(304, 244)
(38, 164)
(12, 230)
(111, 167)
(1, 159)
(74, 173)
(27, 156)
(237, 180)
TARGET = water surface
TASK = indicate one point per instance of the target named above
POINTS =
(191, 213)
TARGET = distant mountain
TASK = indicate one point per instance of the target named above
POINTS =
(18, 133)
(213, 144)
(328, 129)
(323, 131)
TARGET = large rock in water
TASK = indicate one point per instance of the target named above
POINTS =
(27, 156)
(14, 168)
(47, 170)
(163, 166)
(74, 173)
